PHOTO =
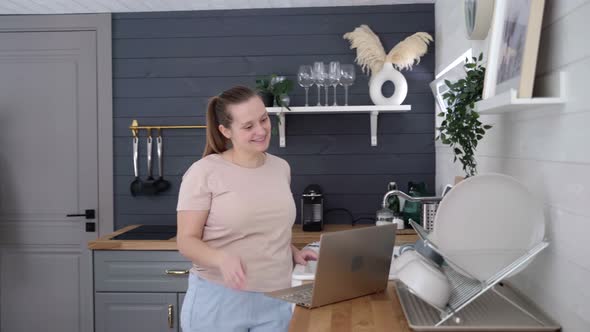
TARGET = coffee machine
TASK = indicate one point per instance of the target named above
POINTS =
(312, 208)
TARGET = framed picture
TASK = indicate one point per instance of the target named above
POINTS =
(513, 47)
(453, 72)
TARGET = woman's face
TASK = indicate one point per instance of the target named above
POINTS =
(250, 128)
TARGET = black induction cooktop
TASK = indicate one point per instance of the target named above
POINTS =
(149, 232)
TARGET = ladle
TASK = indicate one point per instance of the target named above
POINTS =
(160, 184)
(148, 187)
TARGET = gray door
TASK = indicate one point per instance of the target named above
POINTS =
(48, 169)
(136, 312)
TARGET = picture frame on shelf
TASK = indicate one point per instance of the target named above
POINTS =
(453, 72)
(513, 47)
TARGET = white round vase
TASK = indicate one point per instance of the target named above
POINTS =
(388, 73)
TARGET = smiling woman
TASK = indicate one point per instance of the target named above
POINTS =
(249, 131)
(235, 214)
(229, 116)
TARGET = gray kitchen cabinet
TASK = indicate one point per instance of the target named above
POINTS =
(139, 290)
(130, 312)
(139, 271)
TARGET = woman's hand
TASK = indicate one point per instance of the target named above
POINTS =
(302, 256)
(232, 270)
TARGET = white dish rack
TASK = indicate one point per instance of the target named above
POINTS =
(466, 290)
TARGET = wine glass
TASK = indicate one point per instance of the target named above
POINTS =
(305, 79)
(319, 77)
(346, 79)
(334, 74)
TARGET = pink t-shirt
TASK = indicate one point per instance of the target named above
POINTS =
(251, 213)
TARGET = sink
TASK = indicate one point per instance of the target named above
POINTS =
(148, 232)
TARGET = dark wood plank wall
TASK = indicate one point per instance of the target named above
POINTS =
(166, 66)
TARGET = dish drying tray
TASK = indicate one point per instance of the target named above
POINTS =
(475, 300)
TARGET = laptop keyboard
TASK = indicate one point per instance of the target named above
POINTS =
(300, 296)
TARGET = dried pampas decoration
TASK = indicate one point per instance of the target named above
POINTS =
(369, 51)
(409, 50)
(371, 54)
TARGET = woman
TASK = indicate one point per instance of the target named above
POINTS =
(235, 213)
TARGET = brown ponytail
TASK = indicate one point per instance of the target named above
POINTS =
(218, 114)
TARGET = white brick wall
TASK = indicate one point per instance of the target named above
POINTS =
(547, 150)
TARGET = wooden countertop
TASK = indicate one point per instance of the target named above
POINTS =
(376, 312)
(105, 242)
(300, 238)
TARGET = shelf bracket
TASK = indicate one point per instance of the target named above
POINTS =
(282, 119)
(374, 116)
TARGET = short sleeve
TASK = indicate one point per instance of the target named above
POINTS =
(287, 168)
(194, 194)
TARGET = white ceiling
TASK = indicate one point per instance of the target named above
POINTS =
(113, 6)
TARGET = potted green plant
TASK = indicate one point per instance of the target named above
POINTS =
(264, 90)
(274, 90)
(461, 128)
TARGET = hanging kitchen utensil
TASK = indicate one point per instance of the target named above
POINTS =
(160, 184)
(136, 185)
(148, 187)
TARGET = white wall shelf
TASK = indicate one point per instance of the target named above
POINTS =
(372, 110)
(509, 102)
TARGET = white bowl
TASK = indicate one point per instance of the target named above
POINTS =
(402, 260)
(426, 281)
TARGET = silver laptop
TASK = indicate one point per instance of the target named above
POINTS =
(351, 264)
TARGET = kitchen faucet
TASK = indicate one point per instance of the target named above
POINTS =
(429, 206)
(409, 198)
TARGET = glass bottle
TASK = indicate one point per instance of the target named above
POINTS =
(413, 210)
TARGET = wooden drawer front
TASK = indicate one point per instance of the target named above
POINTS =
(140, 271)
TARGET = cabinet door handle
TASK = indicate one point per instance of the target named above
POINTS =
(170, 316)
(177, 272)
(88, 214)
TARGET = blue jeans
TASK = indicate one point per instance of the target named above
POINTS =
(210, 307)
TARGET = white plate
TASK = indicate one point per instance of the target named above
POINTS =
(487, 221)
